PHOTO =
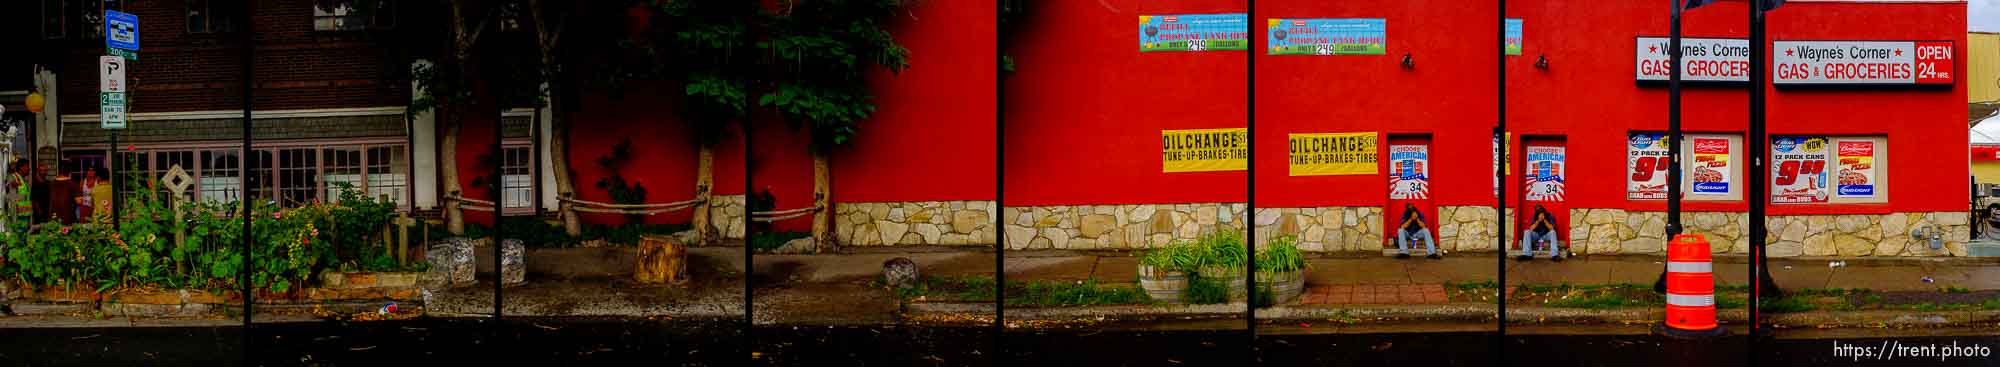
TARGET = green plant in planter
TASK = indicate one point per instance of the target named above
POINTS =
(1280, 255)
(1223, 250)
(1180, 256)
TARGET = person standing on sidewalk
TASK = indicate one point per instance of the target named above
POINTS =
(1541, 228)
(1413, 225)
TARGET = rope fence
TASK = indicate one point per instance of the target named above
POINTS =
(773, 216)
(591, 206)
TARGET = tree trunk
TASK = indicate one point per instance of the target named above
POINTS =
(559, 162)
(704, 187)
(454, 216)
(822, 232)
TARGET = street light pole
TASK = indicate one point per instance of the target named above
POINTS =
(1673, 136)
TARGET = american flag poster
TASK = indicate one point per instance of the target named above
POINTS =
(1545, 174)
(1409, 172)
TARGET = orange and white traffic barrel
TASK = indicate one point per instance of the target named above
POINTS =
(1690, 288)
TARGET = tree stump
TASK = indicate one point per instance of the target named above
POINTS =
(661, 260)
(513, 262)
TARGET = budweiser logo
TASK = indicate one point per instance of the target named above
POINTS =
(1711, 146)
(1857, 148)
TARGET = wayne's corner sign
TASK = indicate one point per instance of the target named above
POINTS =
(1203, 150)
(1703, 59)
(1194, 32)
(1862, 63)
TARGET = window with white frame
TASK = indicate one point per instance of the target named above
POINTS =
(387, 167)
(220, 175)
(516, 178)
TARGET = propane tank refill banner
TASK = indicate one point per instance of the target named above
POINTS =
(1798, 170)
(1545, 173)
(1711, 166)
(1857, 169)
(1328, 36)
(1647, 161)
(1409, 172)
(1330, 154)
(1203, 150)
(1194, 32)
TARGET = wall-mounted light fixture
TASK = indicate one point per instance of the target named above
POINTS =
(1542, 62)
(1409, 63)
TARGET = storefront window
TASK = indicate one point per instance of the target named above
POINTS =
(1820, 169)
(1711, 166)
(353, 15)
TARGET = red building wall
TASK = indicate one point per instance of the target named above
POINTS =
(932, 135)
(1448, 95)
(1084, 108)
(663, 151)
(1587, 94)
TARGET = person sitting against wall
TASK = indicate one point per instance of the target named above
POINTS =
(1541, 228)
(1413, 226)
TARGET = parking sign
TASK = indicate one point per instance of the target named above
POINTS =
(110, 74)
(121, 30)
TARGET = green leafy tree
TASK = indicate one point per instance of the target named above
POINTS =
(819, 52)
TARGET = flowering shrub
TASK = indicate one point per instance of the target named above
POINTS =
(292, 246)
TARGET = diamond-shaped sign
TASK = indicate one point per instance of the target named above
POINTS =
(177, 180)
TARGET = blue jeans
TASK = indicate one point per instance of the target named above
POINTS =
(1529, 238)
(1403, 240)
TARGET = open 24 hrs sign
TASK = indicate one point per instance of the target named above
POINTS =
(1862, 63)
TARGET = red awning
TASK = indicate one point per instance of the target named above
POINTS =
(1986, 152)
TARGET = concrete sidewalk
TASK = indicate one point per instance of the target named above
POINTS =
(1877, 274)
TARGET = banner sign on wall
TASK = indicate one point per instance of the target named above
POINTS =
(1798, 170)
(1330, 154)
(1857, 169)
(1202, 150)
(1194, 32)
(1711, 166)
(1647, 159)
(1706, 59)
(1328, 36)
(1862, 62)
(1409, 172)
(1545, 174)
(1513, 36)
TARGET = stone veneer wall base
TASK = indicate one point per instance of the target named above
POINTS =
(1117, 226)
(947, 223)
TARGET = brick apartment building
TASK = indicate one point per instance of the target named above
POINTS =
(331, 90)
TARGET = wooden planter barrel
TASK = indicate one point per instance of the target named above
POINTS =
(1229, 276)
(1285, 286)
(1162, 285)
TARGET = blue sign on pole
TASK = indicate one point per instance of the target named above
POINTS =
(121, 30)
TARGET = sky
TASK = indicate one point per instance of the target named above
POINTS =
(1982, 16)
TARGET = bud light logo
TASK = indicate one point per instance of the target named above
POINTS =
(1641, 141)
(1785, 145)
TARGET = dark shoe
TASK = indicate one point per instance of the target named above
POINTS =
(1557, 258)
(1403, 256)
(1524, 258)
(1435, 256)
